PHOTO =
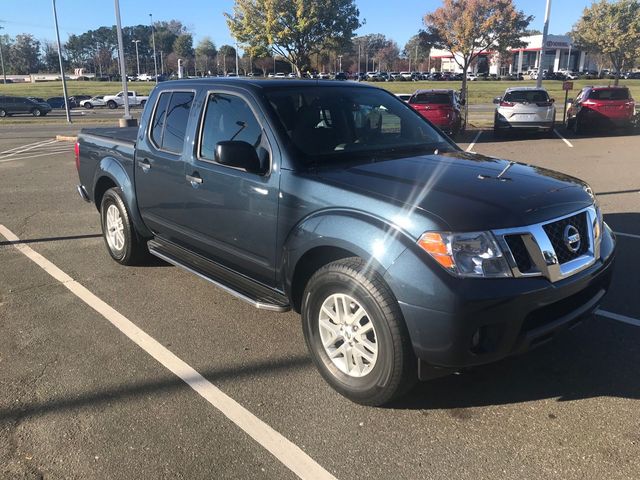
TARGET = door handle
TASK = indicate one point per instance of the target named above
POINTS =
(144, 165)
(194, 179)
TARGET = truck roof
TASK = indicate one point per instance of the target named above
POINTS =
(262, 83)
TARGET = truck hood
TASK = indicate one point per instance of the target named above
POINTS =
(465, 191)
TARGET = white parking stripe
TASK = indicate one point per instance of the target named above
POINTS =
(27, 145)
(618, 317)
(562, 138)
(17, 152)
(472, 144)
(630, 235)
(292, 456)
(17, 159)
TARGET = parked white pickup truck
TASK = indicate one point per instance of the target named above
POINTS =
(114, 101)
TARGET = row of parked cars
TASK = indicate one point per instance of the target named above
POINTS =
(39, 107)
(531, 109)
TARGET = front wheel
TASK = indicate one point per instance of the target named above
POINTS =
(356, 334)
(3, 113)
(123, 242)
(112, 105)
(88, 105)
(36, 112)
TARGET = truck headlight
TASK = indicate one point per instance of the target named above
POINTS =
(474, 254)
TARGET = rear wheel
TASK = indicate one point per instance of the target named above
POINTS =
(142, 103)
(356, 334)
(577, 125)
(124, 244)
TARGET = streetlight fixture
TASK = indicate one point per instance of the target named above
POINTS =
(153, 38)
(64, 81)
(137, 56)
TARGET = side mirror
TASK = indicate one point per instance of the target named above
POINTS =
(497, 100)
(553, 100)
(463, 101)
(238, 154)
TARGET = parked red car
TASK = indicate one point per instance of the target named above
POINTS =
(601, 106)
(440, 107)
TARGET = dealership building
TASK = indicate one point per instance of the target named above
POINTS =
(559, 53)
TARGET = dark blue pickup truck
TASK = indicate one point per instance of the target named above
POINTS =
(407, 257)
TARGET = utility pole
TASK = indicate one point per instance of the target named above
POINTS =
(64, 81)
(359, 59)
(236, 59)
(161, 63)
(125, 121)
(153, 38)
(545, 31)
(4, 75)
(340, 60)
(137, 57)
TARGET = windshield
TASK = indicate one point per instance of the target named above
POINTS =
(526, 96)
(340, 123)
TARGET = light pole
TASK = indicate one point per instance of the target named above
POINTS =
(4, 75)
(340, 62)
(153, 39)
(126, 121)
(161, 63)
(236, 59)
(64, 81)
(545, 31)
(137, 56)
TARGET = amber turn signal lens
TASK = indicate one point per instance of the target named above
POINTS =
(434, 245)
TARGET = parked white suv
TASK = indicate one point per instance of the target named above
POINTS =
(526, 108)
(114, 101)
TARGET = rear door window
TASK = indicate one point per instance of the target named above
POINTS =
(610, 94)
(169, 123)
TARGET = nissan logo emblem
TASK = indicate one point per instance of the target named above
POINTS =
(571, 238)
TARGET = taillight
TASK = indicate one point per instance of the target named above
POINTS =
(506, 104)
(77, 152)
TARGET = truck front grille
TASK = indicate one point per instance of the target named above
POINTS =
(519, 252)
(555, 232)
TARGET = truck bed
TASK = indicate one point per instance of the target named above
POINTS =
(121, 135)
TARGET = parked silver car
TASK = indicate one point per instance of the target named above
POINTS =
(97, 101)
(527, 108)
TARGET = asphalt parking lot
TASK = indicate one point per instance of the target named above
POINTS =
(80, 399)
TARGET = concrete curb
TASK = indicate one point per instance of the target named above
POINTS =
(66, 138)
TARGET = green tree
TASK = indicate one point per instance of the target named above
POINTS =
(417, 49)
(294, 29)
(612, 29)
(469, 28)
(24, 54)
(205, 54)
(227, 54)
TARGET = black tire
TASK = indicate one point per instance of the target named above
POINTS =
(134, 251)
(3, 113)
(112, 105)
(142, 103)
(88, 105)
(577, 126)
(497, 133)
(394, 371)
(36, 112)
(568, 124)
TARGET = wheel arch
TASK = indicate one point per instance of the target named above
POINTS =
(334, 235)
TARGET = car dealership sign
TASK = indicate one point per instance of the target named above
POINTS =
(554, 44)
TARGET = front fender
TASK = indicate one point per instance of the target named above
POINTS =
(364, 235)
(111, 168)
